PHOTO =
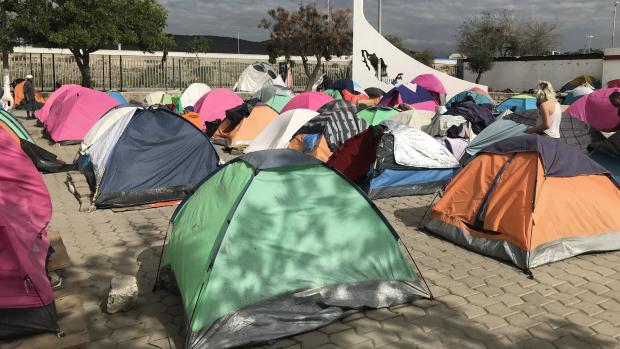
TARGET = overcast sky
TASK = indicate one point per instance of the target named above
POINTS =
(423, 24)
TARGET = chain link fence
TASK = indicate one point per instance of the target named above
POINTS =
(127, 73)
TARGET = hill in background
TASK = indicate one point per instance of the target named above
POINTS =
(217, 44)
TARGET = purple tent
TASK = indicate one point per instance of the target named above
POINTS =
(413, 95)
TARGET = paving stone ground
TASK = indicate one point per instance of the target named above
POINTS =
(480, 302)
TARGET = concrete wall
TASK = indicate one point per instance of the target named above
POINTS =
(611, 65)
(522, 75)
(367, 40)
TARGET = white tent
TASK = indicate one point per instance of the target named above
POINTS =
(101, 139)
(419, 119)
(414, 148)
(104, 124)
(193, 92)
(279, 132)
(257, 75)
(154, 97)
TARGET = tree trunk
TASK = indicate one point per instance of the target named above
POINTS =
(313, 75)
(82, 58)
(5, 59)
(479, 76)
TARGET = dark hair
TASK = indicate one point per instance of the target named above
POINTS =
(614, 95)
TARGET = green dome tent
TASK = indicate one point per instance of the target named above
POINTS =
(335, 94)
(376, 115)
(284, 244)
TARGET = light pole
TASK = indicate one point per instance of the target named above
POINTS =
(380, 32)
(613, 30)
(238, 47)
(379, 14)
(329, 12)
(589, 42)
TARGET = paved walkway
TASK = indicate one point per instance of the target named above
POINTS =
(480, 303)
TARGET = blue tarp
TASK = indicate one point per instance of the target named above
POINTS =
(395, 178)
(517, 104)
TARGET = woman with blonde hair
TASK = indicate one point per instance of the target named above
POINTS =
(549, 111)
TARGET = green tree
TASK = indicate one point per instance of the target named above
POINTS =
(8, 35)
(488, 35)
(199, 44)
(85, 26)
(309, 33)
(425, 57)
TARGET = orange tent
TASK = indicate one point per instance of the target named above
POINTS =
(194, 118)
(245, 131)
(337, 121)
(530, 200)
(320, 151)
(10, 132)
(348, 96)
(18, 95)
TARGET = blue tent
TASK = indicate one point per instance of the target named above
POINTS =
(151, 155)
(497, 131)
(479, 98)
(369, 159)
(517, 103)
(609, 162)
(118, 97)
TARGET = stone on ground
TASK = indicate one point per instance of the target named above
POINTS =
(123, 294)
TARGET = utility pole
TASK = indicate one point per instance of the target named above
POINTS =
(238, 46)
(329, 12)
(380, 32)
(613, 30)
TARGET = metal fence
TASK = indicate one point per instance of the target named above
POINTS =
(125, 73)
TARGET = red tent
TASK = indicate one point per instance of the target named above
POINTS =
(613, 83)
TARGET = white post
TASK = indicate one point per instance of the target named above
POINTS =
(613, 31)
(238, 47)
(7, 97)
(329, 12)
(380, 32)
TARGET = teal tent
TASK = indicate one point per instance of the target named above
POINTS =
(284, 244)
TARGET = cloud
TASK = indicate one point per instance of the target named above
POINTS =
(423, 24)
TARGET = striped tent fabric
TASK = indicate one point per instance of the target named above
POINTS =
(337, 121)
(572, 130)
(16, 127)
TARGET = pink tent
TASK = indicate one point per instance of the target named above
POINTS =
(75, 112)
(430, 82)
(25, 211)
(307, 100)
(214, 104)
(596, 110)
(43, 113)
